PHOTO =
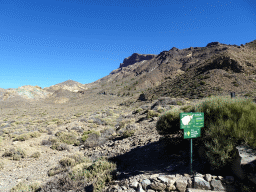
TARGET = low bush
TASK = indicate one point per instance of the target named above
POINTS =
(68, 138)
(169, 123)
(27, 136)
(160, 110)
(60, 147)
(25, 187)
(100, 172)
(87, 133)
(42, 130)
(179, 103)
(57, 170)
(186, 108)
(151, 114)
(94, 140)
(36, 155)
(15, 154)
(128, 133)
(109, 113)
(138, 110)
(66, 162)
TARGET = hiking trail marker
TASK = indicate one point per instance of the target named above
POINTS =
(192, 124)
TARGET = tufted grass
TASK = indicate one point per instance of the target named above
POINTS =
(25, 187)
(80, 169)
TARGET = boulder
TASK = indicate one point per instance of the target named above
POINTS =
(142, 97)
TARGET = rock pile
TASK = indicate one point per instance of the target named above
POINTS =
(157, 182)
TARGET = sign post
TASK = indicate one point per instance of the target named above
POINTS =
(192, 124)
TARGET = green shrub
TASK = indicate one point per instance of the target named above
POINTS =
(128, 133)
(151, 114)
(84, 137)
(78, 114)
(86, 134)
(186, 108)
(235, 84)
(248, 94)
(202, 83)
(22, 137)
(78, 158)
(220, 151)
(56, 170)
(160, 110)
(60, 147)
(99, 171)
(138, 110)
(179, 103)
(25, 188)
(15, 154)
(67, 162)
(36, 155)
(27, 136)
(169, 123)
(42, 130)
(68, 138)
(34, 134)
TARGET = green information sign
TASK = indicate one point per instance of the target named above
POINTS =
(192, 124)
(191, 120)
(192, 133)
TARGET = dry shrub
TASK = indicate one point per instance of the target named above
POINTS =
(60, 147)
(36, 155)
(15, 154)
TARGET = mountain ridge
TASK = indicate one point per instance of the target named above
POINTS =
(168, 73)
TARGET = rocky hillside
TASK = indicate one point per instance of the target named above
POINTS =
(59, 93)
(69, 85)
(193, 73)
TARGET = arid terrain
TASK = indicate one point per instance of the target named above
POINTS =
(40, 128)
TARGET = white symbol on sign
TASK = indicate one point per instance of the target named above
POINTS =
(185, 120)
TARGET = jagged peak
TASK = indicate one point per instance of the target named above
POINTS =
(136, 57)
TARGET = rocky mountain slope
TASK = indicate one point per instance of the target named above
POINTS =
(194, 72)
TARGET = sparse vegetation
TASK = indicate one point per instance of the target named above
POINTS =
(179, 103)
(36, 155)
(68, 138)
(152, 113)
(15, 154)
(27, 136)
(138, 110)
(25, 187)
(128, 133)
(226, 123)
(100, 172)
(86, 134)
(202, 83)
(1, 165)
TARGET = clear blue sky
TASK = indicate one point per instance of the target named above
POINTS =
(45, 42)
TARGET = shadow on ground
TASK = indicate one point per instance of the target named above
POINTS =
(156, 157)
